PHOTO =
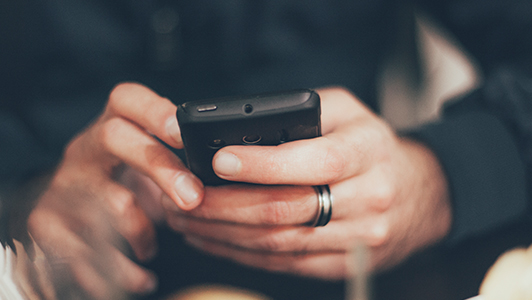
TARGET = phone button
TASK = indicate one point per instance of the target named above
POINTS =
(204, 108)
(252, 139)
(216, 144)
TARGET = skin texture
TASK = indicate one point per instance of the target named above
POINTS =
(389, 193)
(92, 207)
(91, 220)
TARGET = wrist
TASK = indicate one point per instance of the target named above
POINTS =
(484, 169)
(426, 182)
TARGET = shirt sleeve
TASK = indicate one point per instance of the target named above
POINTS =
(484, 139)
(485, 171)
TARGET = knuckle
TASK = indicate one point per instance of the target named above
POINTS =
(110, 132)
(124, 202)
(384, 196)
(158, 156)
(333, 164)
(117, 94)
(276, 213)
(379, 235)
(131, 225)
(134, 230)
(273, 242)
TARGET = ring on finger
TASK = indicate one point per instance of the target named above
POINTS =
(325, 201)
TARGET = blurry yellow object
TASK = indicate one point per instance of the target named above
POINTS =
(216, 292)
(510, 278)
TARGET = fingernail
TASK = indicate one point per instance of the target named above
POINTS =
(173, 130)
(227, 164)
(189, 188)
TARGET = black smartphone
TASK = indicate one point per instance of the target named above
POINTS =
(265, 119)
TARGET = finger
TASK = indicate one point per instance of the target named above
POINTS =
(254, 205)
(147, 193)
(103, 210)
(339, 106)
(109, 278)
(344, 153)
(150, 111)
(365, 195)
(250, 212)
(77, 279)
(96, 267)
(323, 265)
(370, 193)
(353, 139)
(141, 151)
(131, 277)
(130, 221)
(284, 239)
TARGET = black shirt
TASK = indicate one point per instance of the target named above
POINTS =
(59, 60)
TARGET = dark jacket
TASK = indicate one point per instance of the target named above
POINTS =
(59, 60)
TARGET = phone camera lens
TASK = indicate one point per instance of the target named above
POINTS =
(216, 144)
(251, 139)
(248, 108)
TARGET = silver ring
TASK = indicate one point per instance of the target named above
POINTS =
(325, 200)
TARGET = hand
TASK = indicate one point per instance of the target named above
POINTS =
(389, 193)
(86, 216)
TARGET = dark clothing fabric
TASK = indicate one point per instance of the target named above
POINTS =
(59, 59)
(483, 140)
(62, 58)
